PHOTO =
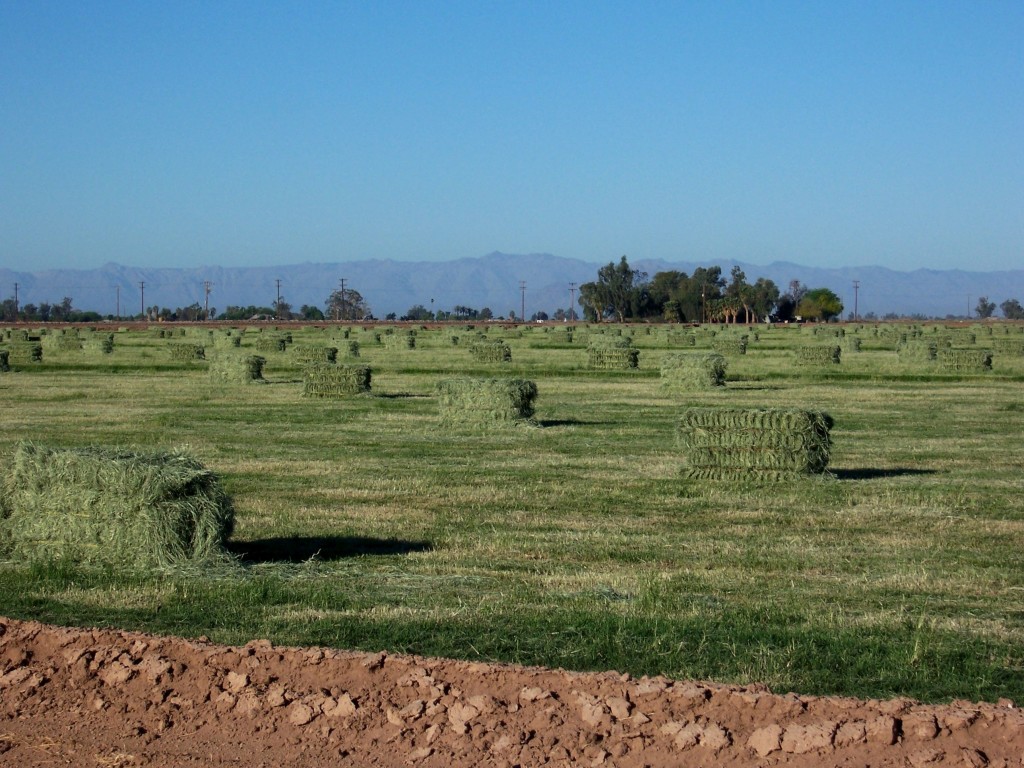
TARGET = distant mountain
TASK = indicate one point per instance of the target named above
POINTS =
(489, 281)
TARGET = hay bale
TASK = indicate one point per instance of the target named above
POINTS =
(238, 368)
(485, 402)
(1009, 347)
(23, 353)
(183, 351)
(399, 340)
(686, 372)
(726, 345)
(351, 348)
(917, 351)
(612, 353)
(851, 344)
(227, 340)
(965, 360)
(335, 381)
(100, 344)
(819, 355)
(5, 364)
(310, 354)
(487, 351)
(753, 443)
(113, 507)
(62, 342)
(267, 343)
(681, 339)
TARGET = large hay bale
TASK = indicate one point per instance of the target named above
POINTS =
(752, 443)
(917, 351)
(485, 402)
(399, 340)
(681, 339)
(486, 351)
(62, 341)
(965, 360)
(238, 368)
(102, 344)
(309, 354)
(335, 381)
(730, 345)
(23, 353)
(693, 371)
(1010, 347)
(267, 343)
(820, 355)
(183, 351)
(5, 365)
(612, 353)
(113, 507)
(351, 348)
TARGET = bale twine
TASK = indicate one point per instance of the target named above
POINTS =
(485, 402)
(612, 353)
(818, 355)
(113, 507)
(309, 354)
(183, 351)
(487, 351)
(752, 443)
(335, 381)
(238, 368)
(686, 372)
(965, 360)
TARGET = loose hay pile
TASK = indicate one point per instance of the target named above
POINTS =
(754, 444)
(490, 351)
(335, 380)
(965, 360)
(238, 368)
(111, 507)
(485, 402)
(685, 372)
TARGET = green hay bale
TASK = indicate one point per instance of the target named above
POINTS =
(485, 402)
(351, 348)
(22, 354)
(560, 336)
(238, 368)
(271, 344)
(117, 508)
(487, 351)
(100, 344)
(850, 344)
(183, 351)
(754, 444)
(612, 353)
(819, 355)
(681, 339)
(965, 360)
(227, 340)
(399, 341)
(1008, 347)
(5, 363)
(917, 351)
(686, 372)
(335, 381)
(725, 345)
(62, 342)
(308, 354)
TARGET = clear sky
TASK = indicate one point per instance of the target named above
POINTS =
(224, 133)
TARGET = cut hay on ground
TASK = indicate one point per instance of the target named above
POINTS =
(754, 444)
(688, 371)
(112, 507)
(485, 402)
(335, 381)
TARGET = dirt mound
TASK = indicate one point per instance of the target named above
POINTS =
(107, 698)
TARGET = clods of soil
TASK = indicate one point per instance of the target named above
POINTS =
(108, 698)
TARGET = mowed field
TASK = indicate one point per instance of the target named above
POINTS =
(575, 542)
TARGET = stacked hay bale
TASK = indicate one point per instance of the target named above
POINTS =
(490, 351)
(270, 343)
(5, 363)
(560, 336)
(818, 355)
(312, 354)
(399, 340)
(751, 443)
(681, 339)
(111, 507)
(188, 352)
(238, 368)
(1010, 347)
(64, 340)
(850, 344)
(485, 402)
(965, 360)
(686, 372)
(24, 353)
(612, 353)
(350, 348)
(228, 340)
(917, 351)
(335, 381)
(730, 345)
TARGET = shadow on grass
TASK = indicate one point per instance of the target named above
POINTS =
(568, 423)
(875, 474)
(298, 549)
(396, 395)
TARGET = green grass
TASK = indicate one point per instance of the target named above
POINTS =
(362, 523)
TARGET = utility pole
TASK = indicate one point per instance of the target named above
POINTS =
(856, 288)
(968, 306)
(206, 290)
(142, 299)
(15, 302)
(117, 290)
(343, 298)
(572, 302)
(522, 307)
(277, 303)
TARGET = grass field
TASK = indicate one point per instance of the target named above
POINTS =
(575, 542)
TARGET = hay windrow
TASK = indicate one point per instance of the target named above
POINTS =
(335, 381)
(688, 371)
(758, 444)
(118, 508)
(484, 402)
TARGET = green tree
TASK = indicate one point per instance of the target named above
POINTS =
(617, 293)
(1012, 310)
(346, 304)
(418, 313)
(985, 308)
(308, 312)
(819, 304)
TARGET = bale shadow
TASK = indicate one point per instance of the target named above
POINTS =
(569, 423)
(875, 474)
(299, 549)
(397, 395)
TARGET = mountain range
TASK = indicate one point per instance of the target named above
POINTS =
(502, 282)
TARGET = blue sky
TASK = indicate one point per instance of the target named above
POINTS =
(248, 133)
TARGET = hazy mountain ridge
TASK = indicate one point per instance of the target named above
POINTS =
(488, 281)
